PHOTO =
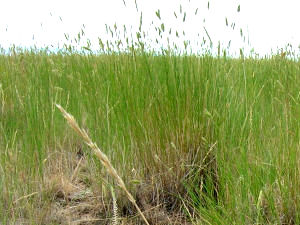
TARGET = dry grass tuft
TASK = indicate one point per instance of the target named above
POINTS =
(72, 203)
(71, 191)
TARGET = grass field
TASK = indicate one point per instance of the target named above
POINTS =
(196, 139)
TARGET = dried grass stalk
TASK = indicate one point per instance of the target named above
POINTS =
(101, 156)
(115, 208)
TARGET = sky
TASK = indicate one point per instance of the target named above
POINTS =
(266, 24)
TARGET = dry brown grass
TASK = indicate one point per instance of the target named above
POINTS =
(71, 193)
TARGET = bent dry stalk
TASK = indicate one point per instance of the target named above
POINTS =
(101, 156)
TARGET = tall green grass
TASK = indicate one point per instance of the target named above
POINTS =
(224, 130)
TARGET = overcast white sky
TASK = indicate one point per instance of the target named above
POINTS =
(267, 23)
